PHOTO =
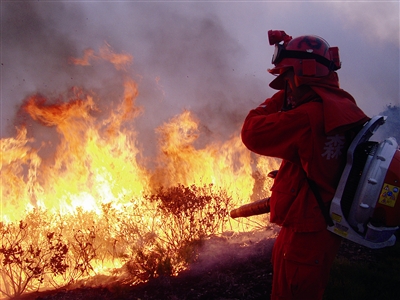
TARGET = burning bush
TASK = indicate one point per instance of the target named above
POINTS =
(196, 211)
(156, 235)
(29, 252)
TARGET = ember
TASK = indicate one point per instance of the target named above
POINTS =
(85, 203)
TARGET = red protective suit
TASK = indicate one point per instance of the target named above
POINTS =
(311, 140)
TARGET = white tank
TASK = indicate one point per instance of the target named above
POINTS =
(366, 205)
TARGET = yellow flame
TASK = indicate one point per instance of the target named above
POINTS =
(98, 162)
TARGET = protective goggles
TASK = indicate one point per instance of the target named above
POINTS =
(277, 56)
(281, 53)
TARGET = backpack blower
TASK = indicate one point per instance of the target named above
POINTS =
(366, 207)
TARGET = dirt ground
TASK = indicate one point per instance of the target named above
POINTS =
(223, 271)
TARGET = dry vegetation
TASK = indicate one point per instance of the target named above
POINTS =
(151, 237)
(178, 258)
(237, 268)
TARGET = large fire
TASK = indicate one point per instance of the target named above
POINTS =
(84, 203)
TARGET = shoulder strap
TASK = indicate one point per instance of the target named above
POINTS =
(322, 206)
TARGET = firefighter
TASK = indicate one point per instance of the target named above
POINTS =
(308, 124)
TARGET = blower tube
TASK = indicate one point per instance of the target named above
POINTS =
(255, 208)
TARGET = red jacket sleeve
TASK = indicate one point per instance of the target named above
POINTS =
(270, 132)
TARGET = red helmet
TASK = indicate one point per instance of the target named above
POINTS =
(308, 55)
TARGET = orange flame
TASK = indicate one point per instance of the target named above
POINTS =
(97, 161)
(120, 61)
(226, 164)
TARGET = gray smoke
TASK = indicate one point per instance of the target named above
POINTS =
(181, 61)
(391, 128)
(35, 50)
(207, 57)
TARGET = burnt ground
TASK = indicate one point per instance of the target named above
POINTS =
(223, 271)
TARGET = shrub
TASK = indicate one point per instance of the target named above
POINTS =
(27, 254)
(158, 234)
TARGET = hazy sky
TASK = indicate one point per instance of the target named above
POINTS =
(210, 57)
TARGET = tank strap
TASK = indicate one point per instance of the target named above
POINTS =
(322, 206)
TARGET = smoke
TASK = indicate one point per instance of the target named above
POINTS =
(207, 57)
(196, 61)
(232, 249)
(181, 61)
(391, 128)
(377, 22)
(34, 50)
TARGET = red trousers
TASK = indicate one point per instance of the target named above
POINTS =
(301, 264)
